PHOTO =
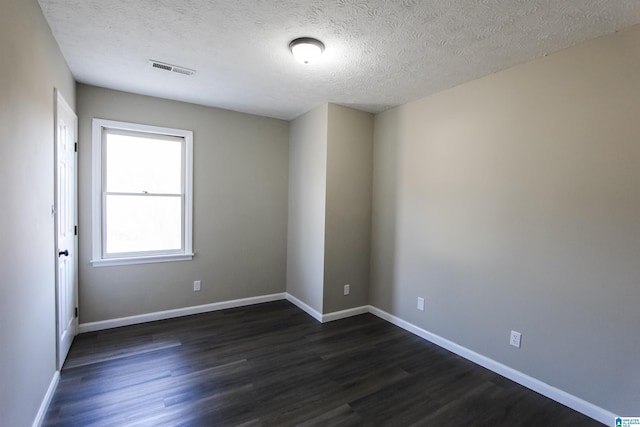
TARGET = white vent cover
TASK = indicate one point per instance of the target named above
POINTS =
(168, 67)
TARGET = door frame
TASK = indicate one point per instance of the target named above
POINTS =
(58, 102)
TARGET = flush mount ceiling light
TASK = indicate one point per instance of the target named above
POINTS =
(306, 49)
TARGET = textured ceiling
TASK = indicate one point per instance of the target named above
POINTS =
(379, 53)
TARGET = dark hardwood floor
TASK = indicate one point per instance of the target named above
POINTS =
(273, 365)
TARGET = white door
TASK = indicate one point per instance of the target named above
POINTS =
(66, 130)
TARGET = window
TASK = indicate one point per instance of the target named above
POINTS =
(141, 193)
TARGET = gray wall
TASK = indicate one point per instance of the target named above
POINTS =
(510, 202)
(307, 202)
(32, 67)
(240, 210)
(330, 167)
(348, 208)
(513, 202)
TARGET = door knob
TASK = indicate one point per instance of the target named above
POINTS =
(65, 253)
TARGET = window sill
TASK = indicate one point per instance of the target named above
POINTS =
(108, 262)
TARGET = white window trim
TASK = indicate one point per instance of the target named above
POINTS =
(97, 259)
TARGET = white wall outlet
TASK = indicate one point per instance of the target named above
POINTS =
(515, 339)
(196, 286)
(347, 289)
(420, 304)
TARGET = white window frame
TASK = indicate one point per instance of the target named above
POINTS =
(98, 257)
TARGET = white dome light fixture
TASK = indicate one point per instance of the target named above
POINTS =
(306, 49)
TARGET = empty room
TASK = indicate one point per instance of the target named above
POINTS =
(278, 213)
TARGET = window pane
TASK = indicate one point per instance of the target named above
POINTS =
(143, 164)
(143, 223)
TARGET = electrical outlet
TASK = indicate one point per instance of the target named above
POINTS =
(196, 286)
(347, 289)
(420, 304)
(515, 339)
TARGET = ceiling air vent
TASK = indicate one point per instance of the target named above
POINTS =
(169, 67)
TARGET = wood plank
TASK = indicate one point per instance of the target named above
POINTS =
(272, 365)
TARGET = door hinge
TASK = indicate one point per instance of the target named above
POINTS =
(75, 230)
(76, 313)
(75, 147)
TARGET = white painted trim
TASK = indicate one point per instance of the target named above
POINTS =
(42, 411)
(343, 314)
(186, 311)
(531, 383)
(178, 312)
(108, 262)
(304, 307)
(99, 257)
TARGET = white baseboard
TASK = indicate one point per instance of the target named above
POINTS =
(531, 383)
(329, 317)
(42, 411)
(304, 307)
(186, 311)
(178, 312)
(534, 384)
(337, 315)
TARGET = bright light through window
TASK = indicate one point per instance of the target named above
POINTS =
(142, 193)
(136, 164)
(142, 224)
